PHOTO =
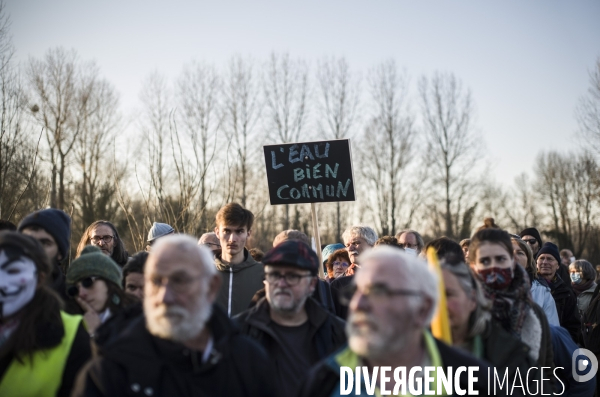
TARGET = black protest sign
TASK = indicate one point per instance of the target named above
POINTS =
(310, 172)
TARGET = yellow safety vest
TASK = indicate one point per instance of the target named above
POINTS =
(42, 376)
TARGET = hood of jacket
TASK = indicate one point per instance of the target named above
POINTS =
(224, 266)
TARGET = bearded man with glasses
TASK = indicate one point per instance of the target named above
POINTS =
(295, 330)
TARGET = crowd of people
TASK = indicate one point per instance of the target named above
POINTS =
(212, 316)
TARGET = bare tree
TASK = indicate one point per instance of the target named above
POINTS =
(198, 94)
(339, 93)
(61, 89)
(453, 147)
(286, 92)
(94, 187)
(588, 111)
(17, 151)
(155, 126)
(570, 189)
(386, 149)
(242, 112)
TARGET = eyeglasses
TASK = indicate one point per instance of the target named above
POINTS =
(291, 279)
(375, 293)
(105, 239)
(530, 241)
(408, 245)
(85, 283)
(178, 283)
(342, 264)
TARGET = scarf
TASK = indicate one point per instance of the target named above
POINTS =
(579, 288)
(510, 306)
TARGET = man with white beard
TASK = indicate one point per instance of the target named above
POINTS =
(184, 345)
(391, 304)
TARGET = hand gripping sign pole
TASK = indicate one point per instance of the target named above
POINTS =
(310, 172)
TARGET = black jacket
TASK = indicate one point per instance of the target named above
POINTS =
(324, 378)
(566, 307)
(327, 331)
(140, 364)
(337, 288)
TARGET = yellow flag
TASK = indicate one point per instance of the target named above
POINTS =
(440, 324)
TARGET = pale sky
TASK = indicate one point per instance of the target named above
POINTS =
(526, 62)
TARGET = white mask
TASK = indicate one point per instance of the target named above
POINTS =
(18, 282)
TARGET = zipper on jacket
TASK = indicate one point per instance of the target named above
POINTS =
(230, 290)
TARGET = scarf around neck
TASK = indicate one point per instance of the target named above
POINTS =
(510, 306)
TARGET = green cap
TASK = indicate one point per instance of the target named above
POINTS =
(93, 263)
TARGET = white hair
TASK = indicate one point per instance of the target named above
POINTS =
(417, 273)
(188, 244)
(363, 231)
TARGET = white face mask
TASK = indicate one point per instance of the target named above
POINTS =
(18, 282)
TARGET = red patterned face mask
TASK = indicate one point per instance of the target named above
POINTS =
(496, 277)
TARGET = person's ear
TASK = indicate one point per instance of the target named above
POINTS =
(217, 231)
(249, 231)
(59, 257)
(423, 311)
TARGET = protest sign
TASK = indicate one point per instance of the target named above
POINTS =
(310, 172)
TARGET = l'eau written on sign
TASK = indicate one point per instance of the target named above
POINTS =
(315, 171)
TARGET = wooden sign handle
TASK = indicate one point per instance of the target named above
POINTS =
(313, 209)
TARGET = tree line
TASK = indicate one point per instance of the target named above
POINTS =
(195, 143)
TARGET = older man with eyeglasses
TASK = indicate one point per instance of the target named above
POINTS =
(295, 330)
(185, 345)
(391, 301)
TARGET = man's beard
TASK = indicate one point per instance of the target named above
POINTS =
(175, 322)
(288, 306)
(371, 340)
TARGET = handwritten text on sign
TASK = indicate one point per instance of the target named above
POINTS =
(309, 172)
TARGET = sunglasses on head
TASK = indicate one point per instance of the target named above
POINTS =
(85, 283)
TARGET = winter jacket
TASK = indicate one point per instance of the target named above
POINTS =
(324, 378)
(542, 295)
(327, 330)
(566, 307)
(337, 288)
(504, 350)
(326, 333)
(64, 349)
(140, 364)
(584, 299)
(240, 283)
(564, 347)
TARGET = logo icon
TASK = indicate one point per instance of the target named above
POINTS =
(584, 365)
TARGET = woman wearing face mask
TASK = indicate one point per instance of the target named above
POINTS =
(41, 347)
(94, 280)
(583, 276)
(505, 283)
(473, 328)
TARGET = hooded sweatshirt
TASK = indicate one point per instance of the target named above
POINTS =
(240, 283)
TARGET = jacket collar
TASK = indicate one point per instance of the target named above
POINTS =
(224, 266)
(260, 317)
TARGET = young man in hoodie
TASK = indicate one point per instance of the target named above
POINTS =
(242, 275)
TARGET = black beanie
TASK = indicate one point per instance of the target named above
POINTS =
(532, 231)
(56, 222)
(551, 249)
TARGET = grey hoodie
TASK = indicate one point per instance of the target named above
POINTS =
(240, 283)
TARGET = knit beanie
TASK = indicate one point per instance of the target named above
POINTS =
(549, 248)
(532, 231)
(93, 263)
(159, 230)
(55, 222)
(330, 249)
